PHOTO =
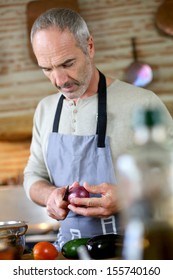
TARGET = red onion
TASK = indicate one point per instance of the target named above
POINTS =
(78, 191)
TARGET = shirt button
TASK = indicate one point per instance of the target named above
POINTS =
(75, 111)
(74, 120)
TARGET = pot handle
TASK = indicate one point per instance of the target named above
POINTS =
(18, 233)
(134, 51)
(25, 227)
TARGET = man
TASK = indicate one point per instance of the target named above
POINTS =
(79, 131)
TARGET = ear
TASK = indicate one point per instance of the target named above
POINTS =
(91, 49)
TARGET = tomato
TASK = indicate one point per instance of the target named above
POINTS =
(44, 250)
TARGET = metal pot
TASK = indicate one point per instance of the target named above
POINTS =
(13, 232)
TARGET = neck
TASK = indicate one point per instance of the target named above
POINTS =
(93, 86)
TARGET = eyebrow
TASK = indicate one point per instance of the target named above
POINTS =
(63, 63)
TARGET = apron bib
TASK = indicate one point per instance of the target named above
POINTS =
(84, 159)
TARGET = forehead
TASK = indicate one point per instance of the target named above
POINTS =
(53, 44)
(52, 38)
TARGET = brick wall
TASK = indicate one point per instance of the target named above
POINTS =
(113, 23)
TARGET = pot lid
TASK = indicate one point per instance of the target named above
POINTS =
(11, 224)
(11, 228)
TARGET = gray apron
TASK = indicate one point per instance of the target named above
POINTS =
(84, 159)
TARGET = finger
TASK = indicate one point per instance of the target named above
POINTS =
(96, 189)
(90, 211)
(91, 188)
(51, 213)
(87, 202)
(94, 202)
(75, 184)
(61, 214)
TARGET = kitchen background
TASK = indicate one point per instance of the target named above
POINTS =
(113, 23)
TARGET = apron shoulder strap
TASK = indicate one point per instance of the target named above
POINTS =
(57, 114)
(102, 111)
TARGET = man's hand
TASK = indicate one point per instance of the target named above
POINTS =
(103, 206)
(57, 208)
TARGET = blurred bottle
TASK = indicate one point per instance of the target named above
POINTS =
(145, 177)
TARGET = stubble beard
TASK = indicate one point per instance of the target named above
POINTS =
(83, 84)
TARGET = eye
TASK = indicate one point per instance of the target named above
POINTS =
(46, 69)
(68, 64)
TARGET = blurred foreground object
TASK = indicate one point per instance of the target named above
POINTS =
(145, 177)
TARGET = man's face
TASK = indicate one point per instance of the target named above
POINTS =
(63, 62)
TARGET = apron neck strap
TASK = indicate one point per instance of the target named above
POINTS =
(58, 114)
(102, 114)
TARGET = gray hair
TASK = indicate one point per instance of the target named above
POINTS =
(63, 18)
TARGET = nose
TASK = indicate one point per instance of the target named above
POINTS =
(59, 77)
